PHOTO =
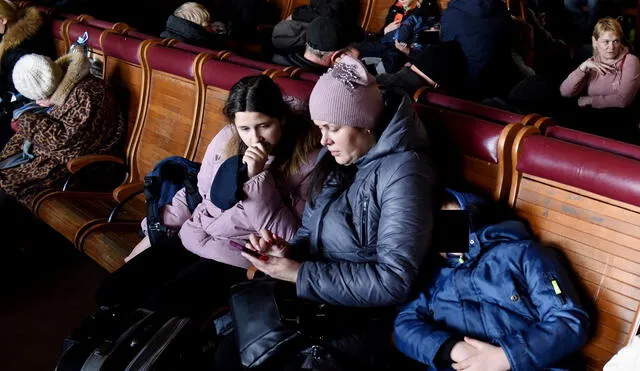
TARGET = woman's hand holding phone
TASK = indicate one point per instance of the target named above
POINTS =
(275, 248)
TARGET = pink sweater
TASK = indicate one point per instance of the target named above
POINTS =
(615, 89)
(275, 204)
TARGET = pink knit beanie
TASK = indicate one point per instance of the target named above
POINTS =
(347, 95)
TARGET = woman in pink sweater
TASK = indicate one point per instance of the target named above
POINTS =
(609, 79)
(191, 273)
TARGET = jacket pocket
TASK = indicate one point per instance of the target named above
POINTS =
(364, 221)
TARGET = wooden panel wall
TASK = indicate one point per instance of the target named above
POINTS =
(602, 243)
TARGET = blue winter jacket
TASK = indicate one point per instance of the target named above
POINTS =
(501, 292)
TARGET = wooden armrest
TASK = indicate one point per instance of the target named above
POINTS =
(418, 94)
(126, 190)
(79, 162)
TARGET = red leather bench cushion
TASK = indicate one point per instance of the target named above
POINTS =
(56, 29)
(236, 59)
(594, 141)
(308, 76)
(295, 88)
(473, 136)
(192, 48)
(122, 47)
(472, 108)
(99, 24)
(77, 29)
(174, 61)
(223, 75)
(602, 173)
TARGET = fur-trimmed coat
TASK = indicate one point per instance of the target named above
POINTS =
(85, 119)
(27, 35)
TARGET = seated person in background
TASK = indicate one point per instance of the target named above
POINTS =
(610, 77)
(84, 118)
(606, 86)
(191, 23)
(21, 32)
(325, 42)
(401, 37)
(483, 29)
(439, 66)
(506, 303)
(345, 11)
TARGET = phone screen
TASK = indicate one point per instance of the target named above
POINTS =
(451, 231)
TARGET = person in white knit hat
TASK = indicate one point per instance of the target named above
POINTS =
(82, 117)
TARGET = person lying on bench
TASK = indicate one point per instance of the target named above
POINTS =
(505, 303)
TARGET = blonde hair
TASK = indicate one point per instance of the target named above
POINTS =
(607, 24)
(8, 11)
(194, 12)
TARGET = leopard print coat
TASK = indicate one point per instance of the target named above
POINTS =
(88, 121)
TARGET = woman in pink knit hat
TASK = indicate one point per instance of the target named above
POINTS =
(368, 224)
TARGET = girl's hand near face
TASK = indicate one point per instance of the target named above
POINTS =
(256, 158)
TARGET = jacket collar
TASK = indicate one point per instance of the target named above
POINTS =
(24, 28)
(186, 29)
(76, 67)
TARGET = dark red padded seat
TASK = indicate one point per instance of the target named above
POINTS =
(121, 47)
(295, 88)
(56, 29)
(594, 141)
(98, 23)
(471, 108)
(309, 76)
(236, 59)
(174, 61)
(192, 48)
(602, 173)
(140, 35)
(223, 75)
(77, 29)
(473, 136)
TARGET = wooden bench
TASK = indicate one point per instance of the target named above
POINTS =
(586, 203)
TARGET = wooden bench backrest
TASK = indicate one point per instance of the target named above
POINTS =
(215, 79)
(123, 71)
(585, 203)
(165, 125)
(484, 146)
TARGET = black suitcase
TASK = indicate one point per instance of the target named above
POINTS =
(115, 339)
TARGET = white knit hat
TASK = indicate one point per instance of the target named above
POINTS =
(36, 76)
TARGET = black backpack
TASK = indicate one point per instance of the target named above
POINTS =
(165, 180)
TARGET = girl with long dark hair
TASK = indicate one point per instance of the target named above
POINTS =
(274, 150)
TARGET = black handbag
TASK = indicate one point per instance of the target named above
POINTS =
(275, 327)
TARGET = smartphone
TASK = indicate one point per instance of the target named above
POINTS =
(253, 253)
(451, 231)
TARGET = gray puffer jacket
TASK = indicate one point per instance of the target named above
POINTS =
(365, 244)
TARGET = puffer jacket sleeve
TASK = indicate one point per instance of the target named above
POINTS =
(417, 335)
(563, 324)
(403, 237)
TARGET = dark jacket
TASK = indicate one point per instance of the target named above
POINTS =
(189, 32)
(501, 292)
(396, 9)
(299, 60)
(346, 11)
(365, 244)
(27, 35)
(482, 27)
